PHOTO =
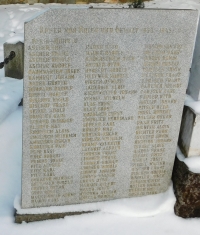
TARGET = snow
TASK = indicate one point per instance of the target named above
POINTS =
(193, 163)
(11, 92)
(191, 103)
(135, 207)
(153, 214)
(15, 39)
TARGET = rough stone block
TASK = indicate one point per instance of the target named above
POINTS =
(187, 190)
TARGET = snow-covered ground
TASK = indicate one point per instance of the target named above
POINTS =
(148, 215)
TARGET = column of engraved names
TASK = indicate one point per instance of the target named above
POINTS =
(161, 77)
(104, 78)
(49, 87)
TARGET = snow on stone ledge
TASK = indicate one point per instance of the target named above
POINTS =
(194, 105)
(193, 163)
(11, 93)
(132, 207)
(15, 39)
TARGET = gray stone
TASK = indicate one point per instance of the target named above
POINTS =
(189, 137)
(19, 218)
(103, 99)
(15, 67)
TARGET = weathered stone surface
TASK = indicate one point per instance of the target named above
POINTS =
(19, 218)
(103, 99)
(189, 137)
(15, 67)
(187, 191)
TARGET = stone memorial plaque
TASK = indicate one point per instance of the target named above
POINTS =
(103, 97)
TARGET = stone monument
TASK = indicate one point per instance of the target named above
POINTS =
(103, 98)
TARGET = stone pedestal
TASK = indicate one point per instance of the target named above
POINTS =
(15, 67)
(187, 190)
(189, 141)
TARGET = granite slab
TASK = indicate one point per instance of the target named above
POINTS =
(103, 98)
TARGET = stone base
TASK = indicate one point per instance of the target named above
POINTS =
(187, 191)
(186, 211)
(15, 67)
(19, 218)
(189, 141)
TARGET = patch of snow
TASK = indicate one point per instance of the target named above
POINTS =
(11, 93)
(193, 163)
(135, 207)
(16, 39)
(191, 103)
(10, 159)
